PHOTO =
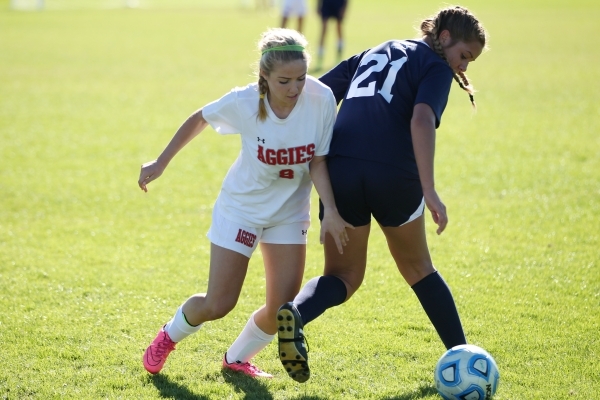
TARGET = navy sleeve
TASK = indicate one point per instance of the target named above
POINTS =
(434, 89)
(338, 79)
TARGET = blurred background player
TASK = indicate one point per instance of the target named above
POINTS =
(292, 8)
(285, 122)
(328, 9)
(381, 163)
(264, 4)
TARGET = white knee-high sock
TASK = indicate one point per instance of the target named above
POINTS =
(178, 328)
(250, 341)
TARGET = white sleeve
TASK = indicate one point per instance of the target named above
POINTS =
(329, 114)
(223, 114)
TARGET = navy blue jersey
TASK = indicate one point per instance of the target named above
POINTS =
(379, 88)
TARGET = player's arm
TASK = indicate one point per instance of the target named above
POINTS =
(422, 129)
(186, 132)
(332, 222)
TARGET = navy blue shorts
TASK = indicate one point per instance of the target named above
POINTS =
(363, 188)
(332, 9)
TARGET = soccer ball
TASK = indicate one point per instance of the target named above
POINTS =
(466, 372)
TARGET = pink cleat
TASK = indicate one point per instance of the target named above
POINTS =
(156, 354)
(247, 368)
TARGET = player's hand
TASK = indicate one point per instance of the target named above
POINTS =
(150, 171)
(334, 225)
(437, 209)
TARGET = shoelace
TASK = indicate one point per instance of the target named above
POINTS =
(164, 346)
(251, 367)
(254, 368)
(302, 337)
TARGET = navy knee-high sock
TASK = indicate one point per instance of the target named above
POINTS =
(318, 295)
(437, 301)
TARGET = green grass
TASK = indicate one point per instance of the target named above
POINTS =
(90, 266)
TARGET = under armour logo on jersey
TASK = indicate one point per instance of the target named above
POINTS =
(260, 140)
(304, 232)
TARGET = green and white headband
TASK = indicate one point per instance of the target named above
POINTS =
(287, 47)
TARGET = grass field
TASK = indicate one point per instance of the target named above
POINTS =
(90, 266)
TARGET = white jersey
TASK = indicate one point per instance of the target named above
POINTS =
(269, 183)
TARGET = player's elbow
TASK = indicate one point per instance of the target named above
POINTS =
(422, 125)
(423, 118)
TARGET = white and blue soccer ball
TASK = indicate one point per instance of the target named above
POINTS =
(466, 372)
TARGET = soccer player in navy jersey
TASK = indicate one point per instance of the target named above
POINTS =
(331, 9)
(381, 164)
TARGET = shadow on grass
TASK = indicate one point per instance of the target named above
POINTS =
(252, 387)
(169, 389)
(422, 392)
(309, 398)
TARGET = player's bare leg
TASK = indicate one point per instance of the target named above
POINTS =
(340, 36)
(351, 265)
(340, 40)
(321, 50)
(284, 268)
(225, 279)
(300, 24)
(226, 276)
(408, 246)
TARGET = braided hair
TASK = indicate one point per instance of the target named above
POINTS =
(463, 26)
(276, 37)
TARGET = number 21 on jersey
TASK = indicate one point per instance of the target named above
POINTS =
(381, 60)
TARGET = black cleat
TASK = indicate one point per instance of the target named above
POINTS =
(293, 352)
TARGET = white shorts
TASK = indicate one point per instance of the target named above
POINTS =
(244, 239)
(294, 7)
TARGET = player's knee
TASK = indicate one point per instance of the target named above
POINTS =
(352, 283)
(414, 270)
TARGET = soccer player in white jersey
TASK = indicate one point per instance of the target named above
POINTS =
(285, 122)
